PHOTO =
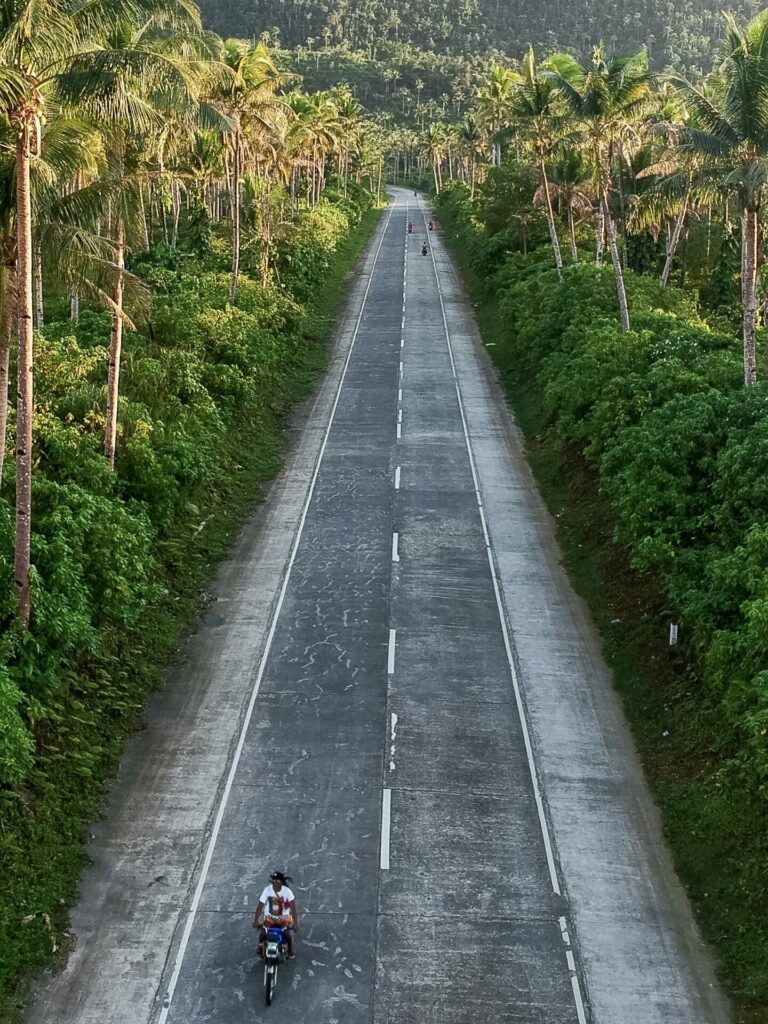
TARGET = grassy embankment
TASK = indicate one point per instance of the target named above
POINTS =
(44, 822)
(718, 844)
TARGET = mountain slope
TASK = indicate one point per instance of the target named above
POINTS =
(681, 32)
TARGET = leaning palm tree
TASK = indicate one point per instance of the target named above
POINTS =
(733, 140)
(606, 98)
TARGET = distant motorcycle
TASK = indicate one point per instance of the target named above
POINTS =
(410, 227)
(431, 225)
(275, 953)
(424, 249)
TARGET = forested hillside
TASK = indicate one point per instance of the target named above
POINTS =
(679, 32)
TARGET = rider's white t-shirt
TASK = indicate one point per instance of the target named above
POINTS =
(277, 904)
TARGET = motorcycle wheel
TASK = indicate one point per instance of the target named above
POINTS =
(270, 979)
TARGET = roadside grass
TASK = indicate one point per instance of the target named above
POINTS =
(51, 847)
(719, 846)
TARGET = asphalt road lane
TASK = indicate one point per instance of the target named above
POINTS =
(464, 921)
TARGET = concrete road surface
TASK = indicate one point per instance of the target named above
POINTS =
(396, 698)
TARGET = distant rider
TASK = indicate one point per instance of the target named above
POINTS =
(424, 249)
(410, 226)
(278, 904)
(431, 225)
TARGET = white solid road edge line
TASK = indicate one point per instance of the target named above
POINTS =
(192, 913)
(544, 824)
(391, 652)
(580, 1011)
(386, 821)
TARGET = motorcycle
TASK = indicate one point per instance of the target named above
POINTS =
(410, 227)
(424, 249)
(431, 226)
(275, 953)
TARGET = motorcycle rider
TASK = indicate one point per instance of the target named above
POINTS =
(278, 904)
(410, 226)
(431, 225)
(424, 249)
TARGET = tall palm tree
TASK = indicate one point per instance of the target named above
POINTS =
(733, 140)
(249, 94)
(493, 105)
(568, 183)
(606, 97)
(159, 80)
(315, 132)
(435, 141)
(73, 256)
(42, 42)
(472, 142)
(537, 117)
(38, 41)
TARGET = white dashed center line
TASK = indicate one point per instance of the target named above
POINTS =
(386, 811)
(391, 652)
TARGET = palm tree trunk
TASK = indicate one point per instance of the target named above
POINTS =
(671, 249)
(617, 271)
(600, 237)
(115, 348)
(39, 311)
(25, 399)
(176, 197)
(144, 224)
(572, 234)
(235, 209)
(551, 224)
(6, 337)
(472, 188)
(749, 232)
(74, 303)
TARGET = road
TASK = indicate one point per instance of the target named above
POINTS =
(397, 699)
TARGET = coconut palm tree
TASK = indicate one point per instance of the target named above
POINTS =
(248, 95)
(732, 137)
(472, 143)
(54, 55)
(493, 105)
(435, 141)
(568, 183)
(536, 112)
(162, 74)
(606, 98)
